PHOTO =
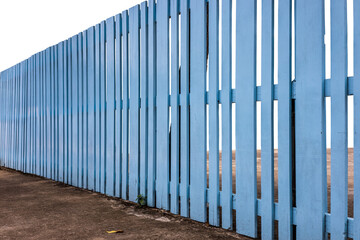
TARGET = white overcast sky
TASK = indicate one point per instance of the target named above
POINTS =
(27, 27)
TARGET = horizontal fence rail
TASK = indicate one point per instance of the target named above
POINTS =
(136, 106)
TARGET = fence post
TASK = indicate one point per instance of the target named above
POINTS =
(310, 119)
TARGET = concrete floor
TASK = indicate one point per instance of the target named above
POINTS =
(35, 208)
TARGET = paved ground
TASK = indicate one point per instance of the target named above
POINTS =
(36, 208)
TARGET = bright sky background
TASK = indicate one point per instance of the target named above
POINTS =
(28, 27)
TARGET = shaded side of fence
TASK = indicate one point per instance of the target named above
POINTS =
(127, 108)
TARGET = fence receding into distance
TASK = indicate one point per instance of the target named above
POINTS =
(135, 105)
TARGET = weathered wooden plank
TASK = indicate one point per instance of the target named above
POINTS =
(162, 118)
(185, 113)
(110, 106)
(284, 122)
(246, 183)
(310, 119)
(125, 136)
(339, 120)
(118, 114)
(198, 110)
(151, 105)
(175, 124)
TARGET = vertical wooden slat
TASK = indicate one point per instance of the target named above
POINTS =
(284, 122)
(310, 119)
(102, 90)
(185, 114)
(151, 108)
(198, 110)
(65, 104)
(81, 113)
(144, 94)
(134, 132)
(118, 114)
(74, 112)
(356, 119)
(89, 108)
(56, 112)
(214, 196)
(68, 112)
(28, 113)
(174, 128)
(226, 162)
(48, 101)
(125, 136)
(267, 120)
(61, 83)
(37, 105)
(162, 151)
(97, 110)
(246, 189)
(110, 106)
(51, 102)
(339, 120)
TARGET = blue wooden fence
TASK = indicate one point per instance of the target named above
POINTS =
(96, 111)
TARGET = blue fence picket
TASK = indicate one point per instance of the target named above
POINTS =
(102, 90)
(214, 196)
(310, 119)
(74, 112)
(81, 112)
(267, 121)
(162, 117)
(285, 150)
(197, 110)
(339, 121)
(185, 113)
(118, 105)
(89, 120)
(356, 119)
(134, 113)
(97, 92)
(68, 112)
(48, 113)
(125, 131)
(151, 105)
(226, 108)
(61, 114)
(144, 95)
(246, 187)
(174, 128)
(110, 107)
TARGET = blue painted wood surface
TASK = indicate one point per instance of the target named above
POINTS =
(144, 96)
(197, 110)
(214, 195)
(339, 121)
(267, 120)
(110, 107)
(151, 105)
(356, 5)
(134, 113)
(285, 151)
(310, 119)
(245, 74)
(121, 109)
(174, 128)
(162, 104)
